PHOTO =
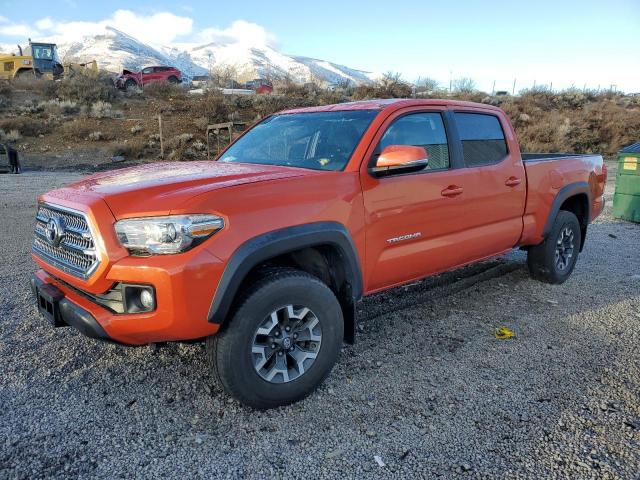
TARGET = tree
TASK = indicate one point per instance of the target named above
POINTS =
(464, 85)
(393, 86)
(427, 84)
(223, 75)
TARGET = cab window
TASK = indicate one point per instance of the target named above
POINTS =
(421, 130)
(482, 138)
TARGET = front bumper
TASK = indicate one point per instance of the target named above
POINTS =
(184, 286)
(71, 314)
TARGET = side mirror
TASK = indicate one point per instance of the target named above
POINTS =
(400, 159)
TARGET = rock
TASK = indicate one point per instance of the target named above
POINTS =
(117, 159)
(334, 454)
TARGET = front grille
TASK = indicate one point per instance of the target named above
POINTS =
(72, 250)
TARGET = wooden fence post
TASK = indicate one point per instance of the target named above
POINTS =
(161, 139)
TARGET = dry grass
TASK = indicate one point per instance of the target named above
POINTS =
(73, 109)
(26, 126)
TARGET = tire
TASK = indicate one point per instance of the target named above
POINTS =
(238, 354)
(173, 80)
(554, 259)
(130, 84)
(25, 73)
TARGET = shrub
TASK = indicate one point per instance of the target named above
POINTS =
(134, 148)
(101, 109)
(390, 85)
(201, 123)
(180, 140)
(212, 106)
(57, 106)
(137, 129)
(35, 84)
(96, 136)
(86, 88)
(26, 126)
(164, 90)
(13, 136)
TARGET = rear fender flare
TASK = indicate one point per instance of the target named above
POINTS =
(563, 194)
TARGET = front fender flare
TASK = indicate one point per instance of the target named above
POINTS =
(278, 242)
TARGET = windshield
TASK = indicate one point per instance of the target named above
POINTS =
(44, 52)
(316, 140)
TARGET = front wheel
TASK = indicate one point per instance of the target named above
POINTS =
(130, 85)
(282, 341)
(554, 259)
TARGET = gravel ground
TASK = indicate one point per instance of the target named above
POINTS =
(427, 389)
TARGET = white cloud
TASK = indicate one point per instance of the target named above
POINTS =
(18, 30)
(240, 31)
(44, 23)
(4, 19)
(156, 29)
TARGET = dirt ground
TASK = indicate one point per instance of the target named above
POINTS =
(426, 392)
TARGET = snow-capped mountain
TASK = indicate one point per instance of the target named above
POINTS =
(115, 50)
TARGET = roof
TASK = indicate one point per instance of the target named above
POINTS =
(633, 148)
(386, 103)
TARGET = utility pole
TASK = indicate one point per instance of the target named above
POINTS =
(551, 87)
(513, 92)
(493, 90)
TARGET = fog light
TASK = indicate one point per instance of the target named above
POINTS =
(146, 299)
(138, 298)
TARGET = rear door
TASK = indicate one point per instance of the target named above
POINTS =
(493, 183)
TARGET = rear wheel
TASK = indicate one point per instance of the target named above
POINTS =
(282, 341)
(25, 73)
(173, 80)
(554, 259)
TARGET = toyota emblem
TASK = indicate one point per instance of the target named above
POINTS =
(54, 231)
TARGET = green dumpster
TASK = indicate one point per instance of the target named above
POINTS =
(626, 200)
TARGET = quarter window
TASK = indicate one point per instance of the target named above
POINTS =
(482, 138)
(420, 130)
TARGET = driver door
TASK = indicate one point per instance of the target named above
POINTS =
(412, 219)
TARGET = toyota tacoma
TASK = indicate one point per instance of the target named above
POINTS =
(264, 253)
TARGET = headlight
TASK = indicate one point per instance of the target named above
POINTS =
(166, 235)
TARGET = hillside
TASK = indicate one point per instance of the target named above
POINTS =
(83, 121)
(115, 50)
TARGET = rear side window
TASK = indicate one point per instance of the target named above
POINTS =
(420, 130)
(482, 138)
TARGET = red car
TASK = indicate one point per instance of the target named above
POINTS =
(128, 79)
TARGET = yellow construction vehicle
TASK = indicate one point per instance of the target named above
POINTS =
(71, 69)
(41, 60)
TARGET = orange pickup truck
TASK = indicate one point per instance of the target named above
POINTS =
(265, 252)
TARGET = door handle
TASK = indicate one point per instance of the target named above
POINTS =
(451, 191)
(513, 182)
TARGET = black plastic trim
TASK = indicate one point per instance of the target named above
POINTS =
(278, 242)
(74, 315)
(81, 320)
(563, 194)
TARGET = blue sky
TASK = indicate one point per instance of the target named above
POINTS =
(565, 42)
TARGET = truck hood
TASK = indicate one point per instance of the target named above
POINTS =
(157, 188)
